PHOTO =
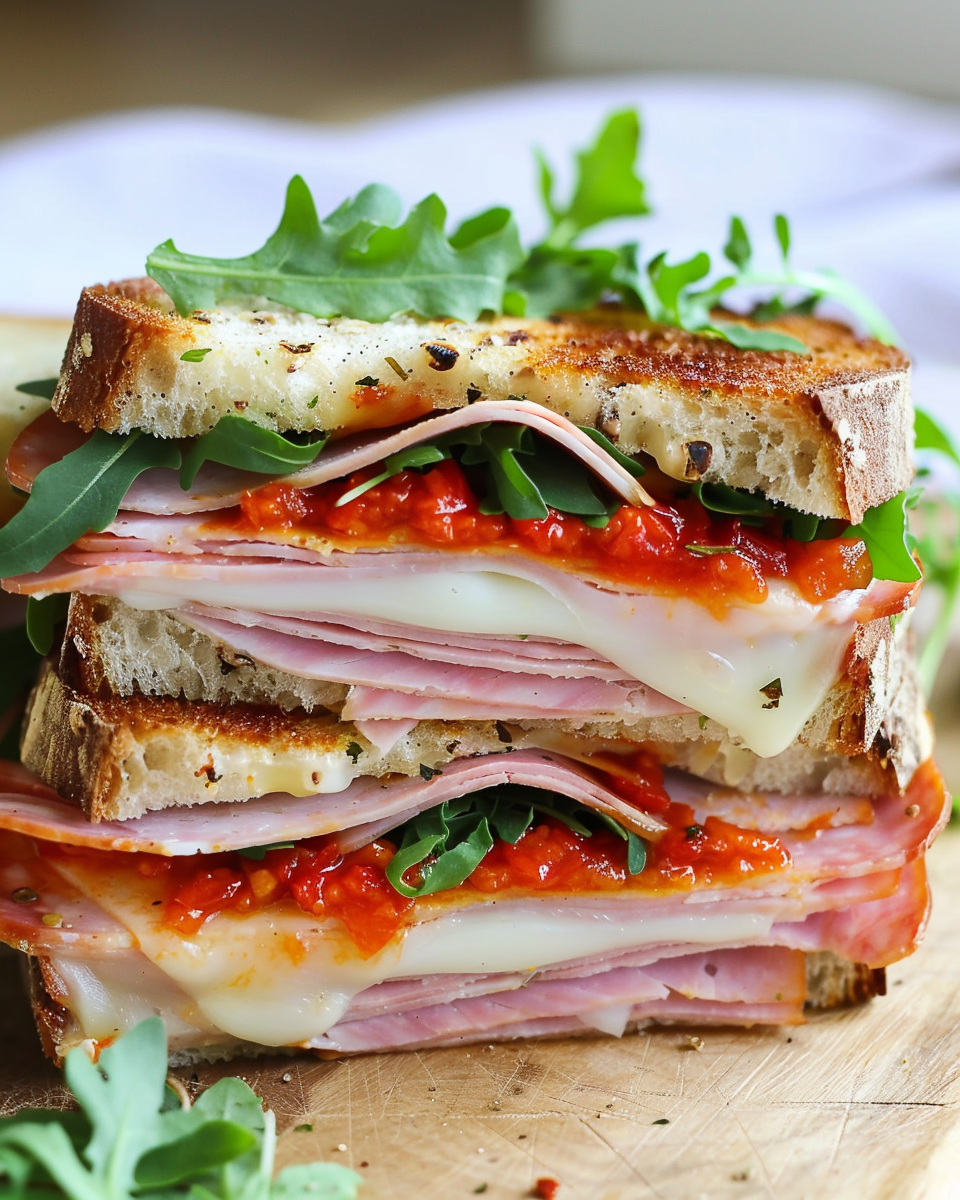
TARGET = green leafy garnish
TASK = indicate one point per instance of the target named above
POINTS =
(84, 490)
(930, 435)
(889, 541)
(360, 261)
(39, 387)
(80, 493)
(197, 355)
(43, 616)
(132, 1139)
(444, 845)
(938, 543)
(557, 275)
(237, 442)
(753, 508)
(521, 473)
(670, 295)
(607, 184)
(258, 853)
(364, 261)
(413, 458)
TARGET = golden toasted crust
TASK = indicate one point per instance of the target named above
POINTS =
(829, 432)
(121, 756)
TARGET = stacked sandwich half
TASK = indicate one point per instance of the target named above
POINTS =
(563, 687)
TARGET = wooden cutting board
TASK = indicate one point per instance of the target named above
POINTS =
(863, 1104)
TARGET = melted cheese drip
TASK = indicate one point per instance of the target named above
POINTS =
(717, 667)
(280, 977)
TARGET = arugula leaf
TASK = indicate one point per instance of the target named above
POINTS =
(929, 434)
(39, 387)
(319, 1181)
(42, 618)
(84, 490)
(636, 469)
(412, 458)
(526, 490)
(80, 493)
(669, 295)
(357, 262)
(886, 533)
(444, 845)
(364, 261)
(128, 1142)
(237, 442)
(938, 544)
(258, 853)
(562, 279)
(607, 185)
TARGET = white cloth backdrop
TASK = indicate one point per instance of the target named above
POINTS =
(870, 180)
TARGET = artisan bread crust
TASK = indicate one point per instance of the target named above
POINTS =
(120, 757)
(829, 433)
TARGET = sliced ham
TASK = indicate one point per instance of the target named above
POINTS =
(158, 491)
(717, 665)
(542, 656)
(457, 692)
(720, 981)
(210, 828)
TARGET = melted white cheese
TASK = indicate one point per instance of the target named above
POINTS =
(717, 666)
(279, 977)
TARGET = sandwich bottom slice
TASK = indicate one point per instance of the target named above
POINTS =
(509, 895)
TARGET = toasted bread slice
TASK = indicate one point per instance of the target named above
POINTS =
(112, 649)
(140, 715)
(122, 756)
(829, 433)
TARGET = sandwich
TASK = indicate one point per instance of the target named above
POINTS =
(524, 654)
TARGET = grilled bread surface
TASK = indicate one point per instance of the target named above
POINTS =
(828, 433)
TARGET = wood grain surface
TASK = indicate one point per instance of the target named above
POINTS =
(862, 1104)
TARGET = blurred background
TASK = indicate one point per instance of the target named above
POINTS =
(336, 62)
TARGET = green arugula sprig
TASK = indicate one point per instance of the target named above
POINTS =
(885, 529)
(39, 387)
(80, 493)
(525, 488)
(445, 844)
(670, 295)
(132, 1139)
(358, 261)
(938, 543)
(362, 261)
(84, 490)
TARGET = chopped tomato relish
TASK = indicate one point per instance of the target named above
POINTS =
(675, 547)
(352, 886)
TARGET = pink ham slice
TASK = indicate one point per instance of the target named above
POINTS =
(211, 828)
(901, 828)
(750, 977)
(394, 685)
(158, 490)
(541, 656)
(674, 1010)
